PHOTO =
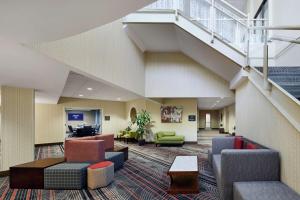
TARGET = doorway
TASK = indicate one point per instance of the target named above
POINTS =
(78, 119)
(207, 121)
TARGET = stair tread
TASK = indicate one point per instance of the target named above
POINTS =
(286, 77)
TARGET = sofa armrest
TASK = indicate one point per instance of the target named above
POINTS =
(247, 165)
(108, 140)
(220, 143)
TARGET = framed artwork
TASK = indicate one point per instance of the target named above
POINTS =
(171, 114)
(107, 118)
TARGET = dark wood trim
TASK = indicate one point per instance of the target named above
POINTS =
(190, 142)
(4, 173)
(49, 144)
(260, 8)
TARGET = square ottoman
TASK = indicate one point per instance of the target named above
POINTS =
(66, 176)
(100, 174)
(116, 157)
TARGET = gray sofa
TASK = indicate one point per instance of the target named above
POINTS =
(234, 168)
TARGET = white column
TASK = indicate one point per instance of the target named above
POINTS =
(17, 126)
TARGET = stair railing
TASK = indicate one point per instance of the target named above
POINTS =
(217, 16)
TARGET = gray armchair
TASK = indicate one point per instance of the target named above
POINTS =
(241, 165)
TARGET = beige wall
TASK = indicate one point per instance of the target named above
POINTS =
(186, 128)
(260, 121)
(88, 118)
(106, 53)
(229, 118)
(175, 75)
(214, 118)
(49, 123)
(17, 126)
(51, 118)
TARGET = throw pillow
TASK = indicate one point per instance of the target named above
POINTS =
(251, 146)
(238, 142)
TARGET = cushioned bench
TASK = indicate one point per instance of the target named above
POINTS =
(116, 157)
(66, 176)
(263, 190)
(168, 138)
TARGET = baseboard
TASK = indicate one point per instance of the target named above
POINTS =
(49, 144)
(4, 173)
(191, 142)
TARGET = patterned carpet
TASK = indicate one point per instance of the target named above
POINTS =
(143, 177)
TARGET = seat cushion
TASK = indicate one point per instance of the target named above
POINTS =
(172, 138)
(66, 176)
(263, 190)
(116, 157)
(101, 165)
(166, 133)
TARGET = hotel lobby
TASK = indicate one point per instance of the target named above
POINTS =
(150, 100)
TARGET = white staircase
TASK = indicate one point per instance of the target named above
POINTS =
(201, 29)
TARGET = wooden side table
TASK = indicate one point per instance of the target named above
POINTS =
(31, 175)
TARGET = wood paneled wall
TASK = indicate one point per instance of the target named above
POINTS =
(17, 126)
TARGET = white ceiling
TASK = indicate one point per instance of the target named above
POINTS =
(77, 84)
(47, 20)
(171, 38)
(22, 22)
(26, 68)
(214, 103)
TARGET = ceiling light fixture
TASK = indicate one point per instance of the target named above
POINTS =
(119, 99)
(89, 89)
(81, 95)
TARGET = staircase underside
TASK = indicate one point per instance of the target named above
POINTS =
(169, 33)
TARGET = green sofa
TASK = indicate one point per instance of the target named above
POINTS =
(165, 137)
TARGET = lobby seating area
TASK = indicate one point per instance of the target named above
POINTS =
(247, 170)
(88, 162)
(150, 100)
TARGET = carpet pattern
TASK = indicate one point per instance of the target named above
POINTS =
(143, 177)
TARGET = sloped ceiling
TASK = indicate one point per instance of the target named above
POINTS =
(79, 86)
(171, 38)
(47, 20)
(24, 22)
(25, 68)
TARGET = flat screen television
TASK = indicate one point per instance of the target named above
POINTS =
(75, 116)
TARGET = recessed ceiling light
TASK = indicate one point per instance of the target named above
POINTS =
(119, 99)
(81, 95)
(89, 88)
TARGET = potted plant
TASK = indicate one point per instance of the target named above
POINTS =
(144, 124)
(129, 127)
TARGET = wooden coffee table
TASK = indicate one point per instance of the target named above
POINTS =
(184, 175)
(31, 175)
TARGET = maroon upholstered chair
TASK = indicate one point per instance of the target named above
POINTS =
(84, 150)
